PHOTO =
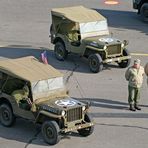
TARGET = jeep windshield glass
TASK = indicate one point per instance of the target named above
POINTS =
(94, 28)
(43, 88)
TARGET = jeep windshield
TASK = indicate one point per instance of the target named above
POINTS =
(94, 28)
(43, 88)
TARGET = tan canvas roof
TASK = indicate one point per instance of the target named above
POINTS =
(28, 68)
(78, 14)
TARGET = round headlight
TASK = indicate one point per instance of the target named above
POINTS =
(122, 45)
(105, 47)
(83, 108)
(63, 113)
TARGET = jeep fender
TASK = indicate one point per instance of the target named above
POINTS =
(92, 50)
(44, 115)
(58, 39)
(6, 101)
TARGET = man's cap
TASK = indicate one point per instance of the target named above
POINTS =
(137, 61)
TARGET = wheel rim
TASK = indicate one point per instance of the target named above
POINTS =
(6, 115)
(93, 63)
(59, 52)
(49, 133)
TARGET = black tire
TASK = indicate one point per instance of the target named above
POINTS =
(7, 117)
(89, 130)
(60, 51)
(144, 12)
(95, 63)
(125, 63)
(50, 132)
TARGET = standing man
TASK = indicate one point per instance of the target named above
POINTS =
(134, 75)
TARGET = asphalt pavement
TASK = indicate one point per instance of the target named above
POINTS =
(24, 30)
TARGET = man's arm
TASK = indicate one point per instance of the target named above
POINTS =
(127, 74)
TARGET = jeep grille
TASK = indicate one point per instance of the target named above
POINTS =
(114, 49)
(74, 114)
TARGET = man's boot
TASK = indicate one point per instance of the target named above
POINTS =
(132, 107)
(137, 107)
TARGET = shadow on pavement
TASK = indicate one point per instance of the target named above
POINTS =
(120, 115)
(23, 131)
(126, 126)
(72, 63)
(27, 132)
(105, 103)
(17, 51)
(124, 20)
(111, 104)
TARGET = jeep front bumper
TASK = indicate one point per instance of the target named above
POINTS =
(76, 127)
(117, 59)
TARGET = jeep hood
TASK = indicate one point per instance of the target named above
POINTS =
(61, 103)
(101, 41)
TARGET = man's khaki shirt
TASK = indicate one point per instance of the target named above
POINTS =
(135, 76)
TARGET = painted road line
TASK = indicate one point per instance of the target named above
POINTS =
(139, 54)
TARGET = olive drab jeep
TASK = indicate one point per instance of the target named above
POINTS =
(35, 91)
(85, 32)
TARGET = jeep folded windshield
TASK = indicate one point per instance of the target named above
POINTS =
(93, 28)
(42, 88)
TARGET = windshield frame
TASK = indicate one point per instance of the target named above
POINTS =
(43, 88)
(96, 28)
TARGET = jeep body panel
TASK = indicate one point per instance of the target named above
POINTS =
(16, 109)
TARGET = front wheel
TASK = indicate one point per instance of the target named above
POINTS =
(125, 63)
(88, 130)
(144, 12)
(7, 117)
(95, 63)
(50, 132)
(60, 51)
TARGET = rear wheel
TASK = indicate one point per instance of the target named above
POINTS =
(89, 130)
(144, 12)
(60, 51)
(7, 117)
(95, 63)
(50, 132)
(125, 63)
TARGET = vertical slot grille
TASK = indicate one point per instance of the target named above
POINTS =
(114, 49)
(74, 114)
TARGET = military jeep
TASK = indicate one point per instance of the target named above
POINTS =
(85, 32)
(35, 91)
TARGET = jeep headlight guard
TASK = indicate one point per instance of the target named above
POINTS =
(105, 47)
(63, 113)
(122, 45)
(83, 108)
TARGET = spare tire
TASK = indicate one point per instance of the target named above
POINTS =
(146, 69)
